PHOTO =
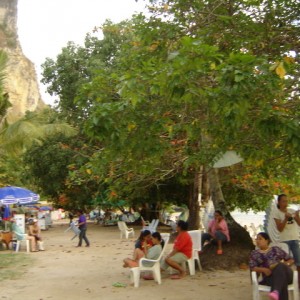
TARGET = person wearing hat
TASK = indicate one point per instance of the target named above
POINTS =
(35, 231)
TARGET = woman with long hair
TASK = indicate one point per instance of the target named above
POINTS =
(149, 251)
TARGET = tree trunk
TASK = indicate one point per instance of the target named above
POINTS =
(193, 203)
(205, 188)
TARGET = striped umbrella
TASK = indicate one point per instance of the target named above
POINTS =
(17, 195)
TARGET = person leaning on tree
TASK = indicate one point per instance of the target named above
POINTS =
(217, 231)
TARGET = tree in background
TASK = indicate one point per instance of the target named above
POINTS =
(52, 166)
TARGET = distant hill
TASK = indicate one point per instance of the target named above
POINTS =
(21, 80)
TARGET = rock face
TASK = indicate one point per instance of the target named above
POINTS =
(21, 80)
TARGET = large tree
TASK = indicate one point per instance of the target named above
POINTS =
(195, 79)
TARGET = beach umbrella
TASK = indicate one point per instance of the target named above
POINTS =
(227, 159)
(14, 195)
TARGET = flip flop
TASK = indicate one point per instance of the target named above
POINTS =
(119, 284)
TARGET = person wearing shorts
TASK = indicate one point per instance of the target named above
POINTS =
(182, 251)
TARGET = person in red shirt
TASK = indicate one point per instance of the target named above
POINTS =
(182, 251)
(218, 231)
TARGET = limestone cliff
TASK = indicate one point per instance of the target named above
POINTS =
(21, 80)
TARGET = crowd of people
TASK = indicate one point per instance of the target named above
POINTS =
(272, 262)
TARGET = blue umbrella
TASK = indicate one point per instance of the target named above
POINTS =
(13, 195)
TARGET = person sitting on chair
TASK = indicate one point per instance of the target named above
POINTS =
(35, 231)
(182, 251)
(21, 236)
(145, 236)
(218, 231)
(148, 251)
(274, 265)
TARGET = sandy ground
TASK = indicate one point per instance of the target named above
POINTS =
(66, 272)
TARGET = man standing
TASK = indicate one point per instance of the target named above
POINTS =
(182, 251)
(82, 226)
(287, 222)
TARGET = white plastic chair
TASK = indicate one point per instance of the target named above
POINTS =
(74, 228)
(196, 239)
(135, 273)
(152, 226)
(144, 222)
(257, 288)
(124, 230)
(22, 237)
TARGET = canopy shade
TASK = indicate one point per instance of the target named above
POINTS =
(14, 195)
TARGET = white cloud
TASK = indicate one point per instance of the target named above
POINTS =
(45, 26)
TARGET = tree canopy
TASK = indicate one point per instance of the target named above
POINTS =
(163, 96)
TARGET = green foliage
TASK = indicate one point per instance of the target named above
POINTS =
(47, 164)
(166, 94)
(56, 167)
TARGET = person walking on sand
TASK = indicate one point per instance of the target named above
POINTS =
(182, 251)
(82, 226)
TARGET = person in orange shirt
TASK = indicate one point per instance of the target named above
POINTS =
(182, 251)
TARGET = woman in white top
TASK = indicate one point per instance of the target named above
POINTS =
(288, 222)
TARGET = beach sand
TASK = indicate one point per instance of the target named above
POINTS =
(66, 272)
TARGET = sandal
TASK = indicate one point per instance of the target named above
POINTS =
(119, 284)
(220, 252)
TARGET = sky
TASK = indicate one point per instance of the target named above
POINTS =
(45, 26)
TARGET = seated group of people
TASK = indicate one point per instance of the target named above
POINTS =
(150, 246)
(271, 261)
(34, 235)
